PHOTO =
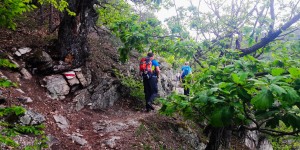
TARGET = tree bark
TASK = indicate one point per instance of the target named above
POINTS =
(73, 31)
(215, 138)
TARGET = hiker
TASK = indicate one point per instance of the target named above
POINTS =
(150, 74)
(186, 70)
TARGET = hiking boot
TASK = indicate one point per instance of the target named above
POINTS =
(150, 106)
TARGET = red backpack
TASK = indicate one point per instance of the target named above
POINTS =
(146, 65)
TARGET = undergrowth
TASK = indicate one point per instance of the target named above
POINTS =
(134, 87)
(9, 125)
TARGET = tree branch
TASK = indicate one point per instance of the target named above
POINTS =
(289, 32)
(272, 13)
(196, 60)
(178, 36)
(294, 8)
(247, 116)
(278, 133)
(270, 37)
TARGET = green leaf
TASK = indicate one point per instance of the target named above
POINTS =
(243, 94)
(235, 78)
(277, 71)
(263, 100)
(297, 84)
(293, 120)
(291, 95)
(214, 100)
(222, 117)
(295, 72)
(263, 114)
(277, 89)
(258, 82)
(239, 78)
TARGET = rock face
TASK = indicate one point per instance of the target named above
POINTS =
(105, 93)
(32, 118)
(56, 86)
(82, 98)
(166, 80)
(254, 140)
(192, 139)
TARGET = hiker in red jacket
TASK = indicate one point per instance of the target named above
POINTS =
(149, 69)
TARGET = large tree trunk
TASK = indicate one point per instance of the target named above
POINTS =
(73, 31)
(218, 136)
(215, 138)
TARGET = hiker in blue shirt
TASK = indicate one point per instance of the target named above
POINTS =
(150, 83)
(186, 70)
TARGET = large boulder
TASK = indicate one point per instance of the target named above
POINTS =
(105, 94)
(39, 61)
(166, 80)
(57, 86)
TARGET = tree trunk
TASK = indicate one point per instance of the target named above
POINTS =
(226, 137)
(215, 138)
(73, 31)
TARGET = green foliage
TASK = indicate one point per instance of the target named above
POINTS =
(237, 91)
(15, 110)
(135, 86)
(61, 5)
(39, 144)
(146, 35)
(12, 129)
(12, 9)
(6, 83)
(133, 33)
(8, 141)
(6, 63)
(284, 142)
(9, 9)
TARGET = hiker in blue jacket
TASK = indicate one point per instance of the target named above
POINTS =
(150, 84)
(186, 70)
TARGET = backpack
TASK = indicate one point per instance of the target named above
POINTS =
(146, 67)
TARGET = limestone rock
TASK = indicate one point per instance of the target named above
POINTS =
(105, 94)
(57, 86)
(32, 118)
(62, 122)
(81, 78)
(111, 142)
(82, 98)
(78, 140)
(24, 50)
(26, 74)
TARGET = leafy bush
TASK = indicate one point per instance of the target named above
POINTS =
(8, 116)
(12, 129)
(12, 9)
(285, 142)
(134, 85)
(234, 91)
(9, 10)
(6, 63)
